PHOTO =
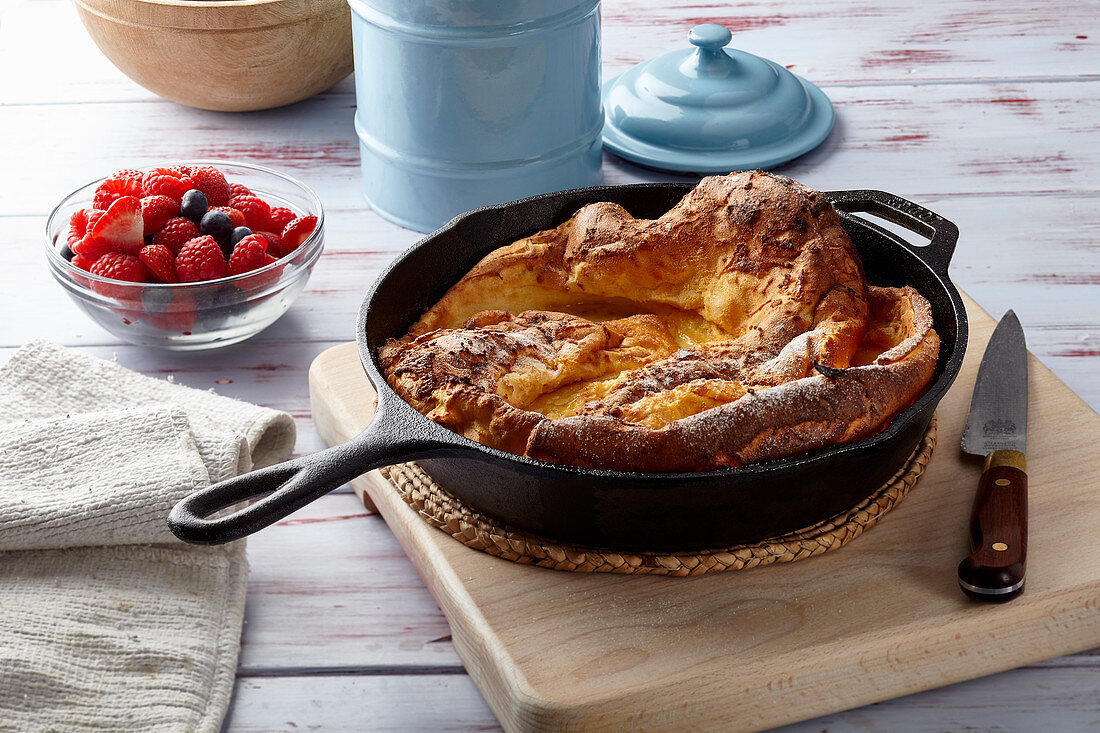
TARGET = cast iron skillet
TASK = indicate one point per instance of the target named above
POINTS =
(620, 510)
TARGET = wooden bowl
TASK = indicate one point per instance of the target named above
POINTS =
(229, 55)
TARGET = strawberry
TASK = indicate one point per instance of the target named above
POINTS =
(249, 254)
(274, 243)
(257, 214)
(156, 211)
(235, 216)
(176, 233)
(212, 183)
(200, 259)
(280, 217)
(121, 183)
(117, 266)
(121, 227)
(171, 182)
(160, 261)
(297, 232)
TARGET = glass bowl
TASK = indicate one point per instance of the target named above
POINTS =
(194, 316)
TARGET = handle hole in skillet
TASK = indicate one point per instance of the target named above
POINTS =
(238, 505)
(906, 235)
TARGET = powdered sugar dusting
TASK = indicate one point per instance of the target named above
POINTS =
(762, 261)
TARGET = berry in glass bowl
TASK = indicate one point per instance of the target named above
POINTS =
(186, 256)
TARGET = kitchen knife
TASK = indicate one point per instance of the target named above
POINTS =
(996, 428)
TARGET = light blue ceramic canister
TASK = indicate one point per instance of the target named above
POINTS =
(464, 103)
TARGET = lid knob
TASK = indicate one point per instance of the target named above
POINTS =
(710, 36)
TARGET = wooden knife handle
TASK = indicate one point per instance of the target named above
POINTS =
(998, 531)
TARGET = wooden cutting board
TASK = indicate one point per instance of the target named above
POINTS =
(879, 618)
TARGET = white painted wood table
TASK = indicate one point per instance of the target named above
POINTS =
(984, 112)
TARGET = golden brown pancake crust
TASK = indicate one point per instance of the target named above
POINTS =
(690, 342)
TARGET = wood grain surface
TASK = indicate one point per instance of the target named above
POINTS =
(280, 51)
(879, 618)
(984, 113)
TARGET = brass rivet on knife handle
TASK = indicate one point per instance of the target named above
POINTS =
(994, 571)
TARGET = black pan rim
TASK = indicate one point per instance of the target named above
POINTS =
(460, 444)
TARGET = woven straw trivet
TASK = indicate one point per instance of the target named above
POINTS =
(484, 533)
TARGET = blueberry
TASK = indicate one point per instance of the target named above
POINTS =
(238, 234)
(218, 225)
(66, 252)
(226, 303)
(232, 299)
(193, 205)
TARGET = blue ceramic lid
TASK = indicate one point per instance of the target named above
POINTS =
(713, 110)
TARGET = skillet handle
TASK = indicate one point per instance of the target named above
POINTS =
(290, 485)
(942, 233)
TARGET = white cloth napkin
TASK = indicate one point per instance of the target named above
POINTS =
(107, 622)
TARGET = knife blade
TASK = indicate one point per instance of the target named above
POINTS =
(996, 428)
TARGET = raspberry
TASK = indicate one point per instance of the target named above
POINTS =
(122, 183)
(117, 266)
(280, 217)
(132, 173)
(76, 227)
(176, 233)
(160, 261)
(236, 189)
(80, 223)
(249, 254)
(234, 215)
(170, 182)
(175, 171)
(90, 248)
(257, 214)
(211, 182)
(156, 211)
(200, 259)
(84, 263)
(297, 232)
